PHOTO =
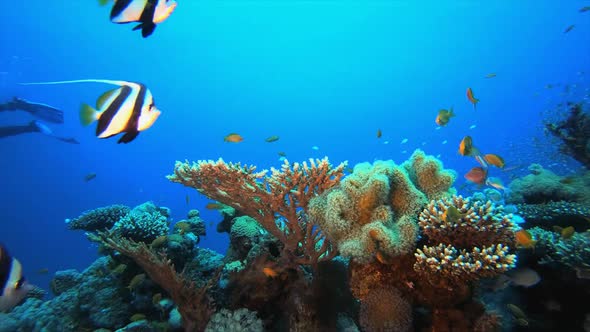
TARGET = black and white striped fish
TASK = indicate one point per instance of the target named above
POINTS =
(127, 109)
(147, 13)
(13, 286)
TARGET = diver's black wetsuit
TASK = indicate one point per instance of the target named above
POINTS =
(17, 130)
(41, 111)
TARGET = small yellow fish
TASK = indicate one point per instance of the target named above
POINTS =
(379, 133)
(282, 154)
(136, 281)
(516, 311)
(452, 215)
(568, 232)
(137, 317)
(444, 117)
(495, 182)
(233, 138)
(159, 241)
(466, 147)
(119, 269)
(491, 75)
(271, 139)
(89, 177)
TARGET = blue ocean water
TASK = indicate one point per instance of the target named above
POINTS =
(327, 74)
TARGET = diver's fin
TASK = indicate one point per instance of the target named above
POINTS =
(128, 137)
(87, 114)
(89, 80)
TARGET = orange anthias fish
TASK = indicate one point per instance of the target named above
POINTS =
(214, 206)
(466, 147)
(471, 98)
(494, 159)
(477, 175)
(524, 239)
(444, 117)
(233, 138)
(269, 272)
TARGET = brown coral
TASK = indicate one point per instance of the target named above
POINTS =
(275, 201)
(385, 309)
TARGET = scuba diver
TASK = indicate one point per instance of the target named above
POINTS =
(42, 111)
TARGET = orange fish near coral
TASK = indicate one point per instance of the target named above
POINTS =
(233, 138)
(269, 272)
(524, 239)
(477, 175)
(494, 159)
(471, 98)
(466, 147)
(214, 206)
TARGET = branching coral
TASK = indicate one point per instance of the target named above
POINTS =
(474, 243)
(373, 212)
(98, 219)
(573, 252)
(275, 201)
(193, 303)
(144, 223)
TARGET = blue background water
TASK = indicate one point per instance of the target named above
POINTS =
(316, 73)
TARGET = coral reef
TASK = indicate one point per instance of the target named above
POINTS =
(98, 219)
(559, 213)
(543, 186)
(372, 214)
(573, 252)
(240, 320)
(275, 201)
(574, 134)
(193, 303)
(385, 309)
(143, 223)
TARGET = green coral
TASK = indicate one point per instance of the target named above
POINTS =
(98, 219)
(374, 210)
(573, 252)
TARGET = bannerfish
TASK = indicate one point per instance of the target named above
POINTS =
(13, 286)
(147, 13)
(128, 109)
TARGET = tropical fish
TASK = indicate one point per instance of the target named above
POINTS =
(136, 281)
(269, 272)
(271, 139)
(147, 13)
(156, 298)
(233, 138)
(477, 175)
(214, 206)
(187, 198)
(137, 317)
(43, 271)
(471, 98)
(452, 215)
(524, 239)
(444, 117)
(524, 277)
(404, 141)
(479, 158)
(282, 154)
(516, 311)
(495, 160)
(491, 75)
(13, 286)
(466, 146)
(119, 269)
(89, 177)
(569, 28)
(315, 147)
(495, 182)
(568, 232)
(128, 109)
(584, 9)
(379, 133)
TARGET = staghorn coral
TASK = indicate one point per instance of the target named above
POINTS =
(98, 219)
(385, 309)
(193, 303)
(475, 245)
(373, 211)
(275, 201)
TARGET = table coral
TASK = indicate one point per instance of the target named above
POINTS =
(98, 219)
